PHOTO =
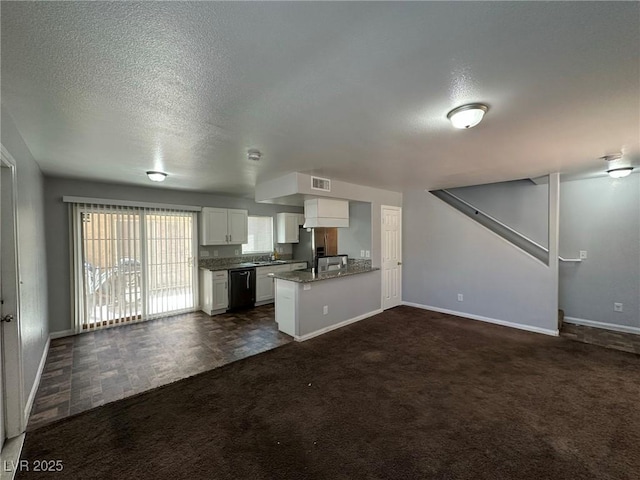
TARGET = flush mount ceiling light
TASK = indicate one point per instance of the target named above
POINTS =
(620, 172)
(617, 172)
(254, 154)
(156, 176)
(467, 116)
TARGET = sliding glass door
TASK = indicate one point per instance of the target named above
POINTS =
(131, 264)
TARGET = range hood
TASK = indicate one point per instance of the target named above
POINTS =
(326, 212)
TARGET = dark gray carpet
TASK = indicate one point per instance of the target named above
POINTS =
(407, 394)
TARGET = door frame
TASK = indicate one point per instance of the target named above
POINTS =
(15, 417)
(382, 209)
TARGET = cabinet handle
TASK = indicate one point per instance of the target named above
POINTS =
(229, 237)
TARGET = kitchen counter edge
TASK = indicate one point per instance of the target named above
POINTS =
(233, 266)
(303, 276)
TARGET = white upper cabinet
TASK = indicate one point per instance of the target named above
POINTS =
(326, 212)
(222, 226)
(237, 223)
(288, 225)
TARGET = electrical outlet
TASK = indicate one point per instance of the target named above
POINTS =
(583, 254)
(617, 307)
(361, 253)
(367, 253)
(306, 287)
(237, 252)
(215, 253)
(460, 297)
(325, 309)
(204, 254)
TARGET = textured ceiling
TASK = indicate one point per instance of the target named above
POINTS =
(353, 91)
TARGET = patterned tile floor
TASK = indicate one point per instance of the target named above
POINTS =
(88, 370)
(628, 342)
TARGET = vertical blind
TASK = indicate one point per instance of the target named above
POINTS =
(131, 264)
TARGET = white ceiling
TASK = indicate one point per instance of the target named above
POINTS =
(353, 91)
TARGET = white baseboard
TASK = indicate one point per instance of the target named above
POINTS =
(496, 321)
(10, 456)
(36, 383)
(302, 338)
(603, 325)
(61, 333)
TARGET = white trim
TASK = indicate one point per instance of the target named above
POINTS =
(496, 321)
(302, 338)
(127, 203)
(603, 325)
(10, 456)
(13, 401)
(36, 383)
(61, 334)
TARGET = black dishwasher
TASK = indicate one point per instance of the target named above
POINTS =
(242, 288)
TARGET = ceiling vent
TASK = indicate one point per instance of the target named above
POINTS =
(323, 184)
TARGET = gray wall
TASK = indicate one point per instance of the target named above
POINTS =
(447, 253)
(31, 255)
(57, 228)
(601, 216)
(297, 186)
(358, 236)
(339, 295)
(520, 204)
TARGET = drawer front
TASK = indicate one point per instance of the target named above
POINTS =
(298, 266)
(220, 274)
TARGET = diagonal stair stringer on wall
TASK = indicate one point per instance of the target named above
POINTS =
(517, 239)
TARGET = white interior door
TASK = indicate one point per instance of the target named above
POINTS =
(3, 433)
(12, 395)
(391, 256)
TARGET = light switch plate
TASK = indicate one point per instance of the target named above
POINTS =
(306, 286)
(583, 254)
(361, 253)
(215, 253)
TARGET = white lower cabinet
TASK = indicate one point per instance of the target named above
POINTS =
(264, 285)
(214, 291)
(265, 292)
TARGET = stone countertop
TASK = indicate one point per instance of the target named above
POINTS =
(232, 266)
(307, 276)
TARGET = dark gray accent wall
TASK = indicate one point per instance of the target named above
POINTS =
(602, 217)
(31, 252)
(520, 204)
(57, 228)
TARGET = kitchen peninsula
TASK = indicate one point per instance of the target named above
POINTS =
(310, 304)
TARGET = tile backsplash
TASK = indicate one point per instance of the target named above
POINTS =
(220, 261)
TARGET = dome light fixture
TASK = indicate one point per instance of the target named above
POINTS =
(156, 176)
(254, 155)
(467, 116)
(617, 171)
(620, 172)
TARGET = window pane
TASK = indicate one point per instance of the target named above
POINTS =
(260, 237)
